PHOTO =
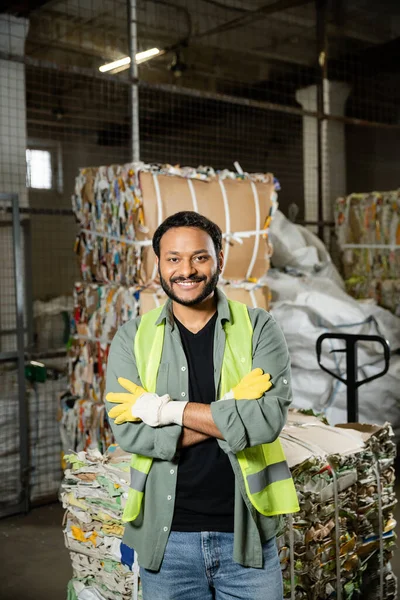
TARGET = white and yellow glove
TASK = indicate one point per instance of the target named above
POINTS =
(139, 405)
(123, 412)
(157, 410)
(251, 387)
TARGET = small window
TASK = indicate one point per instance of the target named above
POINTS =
(39, 172)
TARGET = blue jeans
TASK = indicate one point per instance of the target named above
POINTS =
(199, 566)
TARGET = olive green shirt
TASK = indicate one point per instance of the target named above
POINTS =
(243, 423)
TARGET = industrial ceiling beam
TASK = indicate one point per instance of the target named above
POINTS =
(258, 13)
(277, 10)
(21, 8)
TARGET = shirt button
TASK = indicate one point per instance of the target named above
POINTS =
(172, 471)
(169, 497)
(183, 394)
(285, 381)
(165, 528)
(243, 359)
(183, 368)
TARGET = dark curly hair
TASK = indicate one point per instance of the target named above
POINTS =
(188, 218)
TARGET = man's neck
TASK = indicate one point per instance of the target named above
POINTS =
(196, 317)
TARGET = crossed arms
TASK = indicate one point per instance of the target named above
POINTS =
(240, 422)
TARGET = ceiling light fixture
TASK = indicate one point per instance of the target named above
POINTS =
(147, 54)
(126, 60)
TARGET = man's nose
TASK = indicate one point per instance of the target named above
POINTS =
(187, 268)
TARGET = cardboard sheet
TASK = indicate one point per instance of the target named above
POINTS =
(239, 213)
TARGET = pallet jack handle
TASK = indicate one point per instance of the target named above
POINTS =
(351, 381)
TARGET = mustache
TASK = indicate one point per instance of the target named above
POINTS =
(194, 278)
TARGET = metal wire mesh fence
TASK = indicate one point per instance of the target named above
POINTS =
(30, 450)
(307, 90)
(13, 414)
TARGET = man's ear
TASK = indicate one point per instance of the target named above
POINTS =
(221, 260)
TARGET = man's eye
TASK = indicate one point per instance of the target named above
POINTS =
(201, 258)
(172, 260)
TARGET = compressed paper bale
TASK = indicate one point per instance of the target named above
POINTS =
(239, 212)
(122, 202)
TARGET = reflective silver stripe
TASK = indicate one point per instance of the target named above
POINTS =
(275, 472)
(138, 480)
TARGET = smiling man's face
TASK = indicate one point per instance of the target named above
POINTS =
(188, 266)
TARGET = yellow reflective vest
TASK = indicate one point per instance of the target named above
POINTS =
(268, 481)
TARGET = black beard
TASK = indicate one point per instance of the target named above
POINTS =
(209, 288)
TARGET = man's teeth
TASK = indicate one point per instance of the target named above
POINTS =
(187, 283)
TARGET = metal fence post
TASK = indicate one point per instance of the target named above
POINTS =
(132, 33)
(19, 316)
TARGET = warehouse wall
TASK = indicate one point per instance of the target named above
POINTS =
(373, 159)
(54, 266)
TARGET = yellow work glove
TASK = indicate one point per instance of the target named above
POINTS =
(123, 412)
(251, 387)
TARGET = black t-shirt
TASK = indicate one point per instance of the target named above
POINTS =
(205, 485)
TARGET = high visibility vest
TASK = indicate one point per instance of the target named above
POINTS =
(267, 478)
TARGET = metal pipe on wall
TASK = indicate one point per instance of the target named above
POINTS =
(133, 70)
(321, 7)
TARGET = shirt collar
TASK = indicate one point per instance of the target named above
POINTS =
(224, 313)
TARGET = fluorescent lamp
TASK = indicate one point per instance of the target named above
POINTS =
(143, 56)
(125, 62)
(114, 65)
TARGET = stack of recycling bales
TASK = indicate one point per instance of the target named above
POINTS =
(371, 223)
(343, 535)
(118, 209)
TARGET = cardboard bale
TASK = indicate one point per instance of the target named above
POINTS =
(239, 212)
(121, 206)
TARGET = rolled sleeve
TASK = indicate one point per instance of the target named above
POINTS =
(136, 438)
(245, 423)
(166, 441)
(229, 422)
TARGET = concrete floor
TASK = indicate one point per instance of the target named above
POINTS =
(34, 562)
